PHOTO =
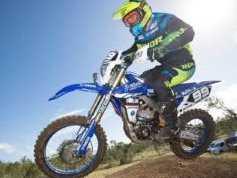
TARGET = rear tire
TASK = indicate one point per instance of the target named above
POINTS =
(189, 150)
(58, 158)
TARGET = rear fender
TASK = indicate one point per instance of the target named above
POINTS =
(189, 94)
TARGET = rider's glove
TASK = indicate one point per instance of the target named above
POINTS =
(155, 53)
(128, 60)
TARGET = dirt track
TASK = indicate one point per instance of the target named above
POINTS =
(173, 167)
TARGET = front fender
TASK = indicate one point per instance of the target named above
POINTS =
(88, 87)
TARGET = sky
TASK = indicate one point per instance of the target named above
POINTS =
(48, 44)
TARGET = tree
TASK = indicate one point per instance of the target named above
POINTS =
(214, 102)
(227, 123)
(32, 171)
(2, 169)
(126, 154)
(120, 153)
(14, 169)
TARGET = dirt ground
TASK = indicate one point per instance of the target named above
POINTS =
(172, 167)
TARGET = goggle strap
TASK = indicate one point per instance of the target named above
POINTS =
(142, 4)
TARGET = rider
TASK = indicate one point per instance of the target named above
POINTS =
(168, 38)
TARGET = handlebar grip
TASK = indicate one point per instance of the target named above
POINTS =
(128, 60)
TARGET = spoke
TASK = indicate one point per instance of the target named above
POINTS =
(61, 150)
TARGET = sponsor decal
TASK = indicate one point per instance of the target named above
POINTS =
(199, 94)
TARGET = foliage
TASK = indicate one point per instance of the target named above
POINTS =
(121, 153)
(214, 102)
(226, 124)
(24, 168)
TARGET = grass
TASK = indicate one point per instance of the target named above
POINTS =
(231, 155)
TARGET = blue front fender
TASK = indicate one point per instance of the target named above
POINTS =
(88, 87)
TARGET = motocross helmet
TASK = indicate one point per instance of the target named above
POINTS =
(135, 15)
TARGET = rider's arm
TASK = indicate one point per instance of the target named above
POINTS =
(178, 34)
(130, 52)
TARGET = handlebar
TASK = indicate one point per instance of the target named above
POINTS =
(128, 60)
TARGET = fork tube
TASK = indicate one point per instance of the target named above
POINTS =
(82, 149)
(107, 98)
(120, 76)
(95, 105)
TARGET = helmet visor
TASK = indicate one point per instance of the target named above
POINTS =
(133, 17)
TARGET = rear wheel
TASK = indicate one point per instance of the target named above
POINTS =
(56, 148)
(199, 123)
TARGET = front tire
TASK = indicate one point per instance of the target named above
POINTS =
(198, 122)
(56, 148)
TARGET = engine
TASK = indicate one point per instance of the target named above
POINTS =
(145, 113)
(142, 118)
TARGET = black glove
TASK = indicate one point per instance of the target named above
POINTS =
(155, 53)
(128, 60)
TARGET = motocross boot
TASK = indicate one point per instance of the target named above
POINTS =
(169, 112)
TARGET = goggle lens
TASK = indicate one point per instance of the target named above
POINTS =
(132, 18)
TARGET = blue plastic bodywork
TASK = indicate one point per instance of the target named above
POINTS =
(88, 87)
(186, 88)
(134, 87)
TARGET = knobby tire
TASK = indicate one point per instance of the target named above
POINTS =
(39, 151)
(207, 119)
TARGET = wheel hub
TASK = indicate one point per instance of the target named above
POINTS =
(68, 152)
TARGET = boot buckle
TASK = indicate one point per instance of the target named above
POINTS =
(161, 121)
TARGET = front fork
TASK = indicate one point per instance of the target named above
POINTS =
(82, 148)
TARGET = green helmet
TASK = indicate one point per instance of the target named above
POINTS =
(135, 14)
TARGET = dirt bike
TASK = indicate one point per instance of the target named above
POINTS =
(74, 146)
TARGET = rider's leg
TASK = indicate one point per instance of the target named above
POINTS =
(165, 100)
(162, 78)
(168, 110)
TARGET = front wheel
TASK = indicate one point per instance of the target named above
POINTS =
(200, 124)
(56, 148)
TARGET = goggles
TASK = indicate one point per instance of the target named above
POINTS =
(133, 17)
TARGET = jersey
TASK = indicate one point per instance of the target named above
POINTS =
(166, 34)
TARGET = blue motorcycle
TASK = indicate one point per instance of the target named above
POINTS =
(74, 146)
